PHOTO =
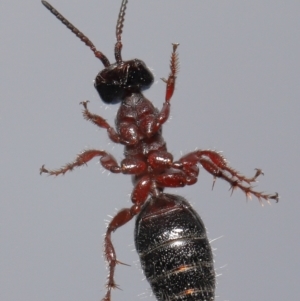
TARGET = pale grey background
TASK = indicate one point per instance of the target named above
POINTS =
(237, 91)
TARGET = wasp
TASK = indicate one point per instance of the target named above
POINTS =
(170, 236)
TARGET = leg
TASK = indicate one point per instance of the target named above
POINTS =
(216, 165)
(170, 82)
(107, 161)
(122, 217)
(138, 197)
(174, 66)
(99, 121)
(167, 173)
(128, 166)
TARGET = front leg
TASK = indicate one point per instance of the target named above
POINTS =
(101, 122)
(174, 66)
(170, 87)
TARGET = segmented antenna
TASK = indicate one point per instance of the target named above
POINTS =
(82, 36)
(119, 31)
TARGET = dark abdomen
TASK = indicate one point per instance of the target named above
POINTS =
(174, 251)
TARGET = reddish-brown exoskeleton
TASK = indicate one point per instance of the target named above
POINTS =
(139, 128)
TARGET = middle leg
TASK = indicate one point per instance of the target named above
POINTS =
(128, 165)
(216, 165)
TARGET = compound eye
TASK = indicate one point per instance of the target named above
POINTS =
(110, 93)
(109, 83)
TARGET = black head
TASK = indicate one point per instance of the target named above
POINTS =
(120, 79)
(116, 80)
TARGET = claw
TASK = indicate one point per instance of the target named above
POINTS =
(84, 103)
(275, 197)
(43, 169)
(258, 173)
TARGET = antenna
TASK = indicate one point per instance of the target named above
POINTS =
(119, 31)
(80, 35)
